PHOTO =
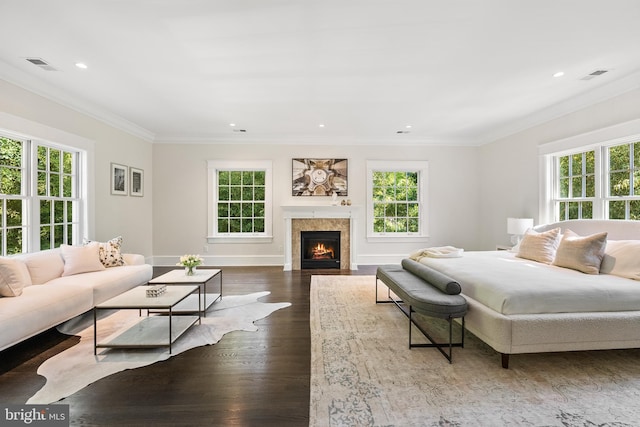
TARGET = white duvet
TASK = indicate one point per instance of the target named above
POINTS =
(511, 285)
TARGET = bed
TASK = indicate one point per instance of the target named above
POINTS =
(519, 305)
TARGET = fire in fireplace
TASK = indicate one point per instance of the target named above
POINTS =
(320, 249)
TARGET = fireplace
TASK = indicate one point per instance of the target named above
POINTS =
(319, 249)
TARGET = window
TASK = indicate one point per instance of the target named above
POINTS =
(240, 200)
(38, 199)
(13, 192)
(599, 183)
(57, 196)
(623, 190)
(576, 186)
(396, 199)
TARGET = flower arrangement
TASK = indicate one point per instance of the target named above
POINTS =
(190, 262)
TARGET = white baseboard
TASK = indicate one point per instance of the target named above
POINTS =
(381, 259)
(223, 260)
(270, 260)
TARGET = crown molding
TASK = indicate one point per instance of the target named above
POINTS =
(599, 94)
(41, 88)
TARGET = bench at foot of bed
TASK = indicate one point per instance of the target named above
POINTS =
(425, 291)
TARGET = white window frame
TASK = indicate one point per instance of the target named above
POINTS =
(31, 199)
(550, 175)
(213, 166)
(419, 166)
(74, 198)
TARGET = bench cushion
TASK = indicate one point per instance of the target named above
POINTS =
(422, 297)
(445, 283)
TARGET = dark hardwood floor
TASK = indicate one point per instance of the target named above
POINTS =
(247, 379)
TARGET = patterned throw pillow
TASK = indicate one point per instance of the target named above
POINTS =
(110, 255)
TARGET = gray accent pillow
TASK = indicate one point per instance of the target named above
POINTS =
(582, 253)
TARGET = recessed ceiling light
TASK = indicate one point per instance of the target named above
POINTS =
(559, 74)
(232, 124)
(408, 126)
(81, 65)
(321, 125)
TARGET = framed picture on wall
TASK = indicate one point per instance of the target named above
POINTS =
(319, 177)
(119, 179)
(136, 181)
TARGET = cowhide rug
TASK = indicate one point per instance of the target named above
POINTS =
(77, 367)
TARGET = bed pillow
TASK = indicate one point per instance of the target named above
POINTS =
(14, 276)
(110, 252)
(539, 247)
(622, 258)
(81, 259)
(582, 253)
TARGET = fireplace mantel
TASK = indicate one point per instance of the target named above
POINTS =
(320, 212)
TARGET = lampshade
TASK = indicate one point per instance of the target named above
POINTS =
(518, 226)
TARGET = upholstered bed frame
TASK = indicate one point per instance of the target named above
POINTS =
(536, 333)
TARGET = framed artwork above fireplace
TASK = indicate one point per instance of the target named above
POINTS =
(319, 177)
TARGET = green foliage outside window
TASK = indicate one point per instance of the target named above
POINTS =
(396, 206)
(55, 187)
(54, 177)
(624, 181)
(241, 201)
(577, 183)
(11, 195)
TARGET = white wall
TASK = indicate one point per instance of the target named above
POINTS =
(509, 170)
(33, 116)
(180, 198)
(472, 190)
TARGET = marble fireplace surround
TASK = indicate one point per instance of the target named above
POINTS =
(319, 218)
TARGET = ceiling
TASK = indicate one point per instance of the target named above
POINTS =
(457, 72)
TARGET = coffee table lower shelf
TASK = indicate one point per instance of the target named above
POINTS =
(151, 332)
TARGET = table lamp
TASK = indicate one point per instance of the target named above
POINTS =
(517, 227)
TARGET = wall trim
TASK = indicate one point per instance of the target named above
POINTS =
(221, 260)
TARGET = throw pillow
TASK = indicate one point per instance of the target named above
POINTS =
(81, 259)
(110, 253)
(622, 258)
(540, 247)
(581, 253)
(14, 276)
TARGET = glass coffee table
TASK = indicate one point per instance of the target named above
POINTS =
(150, 331)
(202, 278)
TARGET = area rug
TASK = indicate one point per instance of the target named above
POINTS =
(77, 367)
(363, 374)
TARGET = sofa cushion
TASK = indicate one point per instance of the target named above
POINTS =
(14, 276)
(39, 308)
(81, 259)
(110, 252)
(109, 282)
(43, 266)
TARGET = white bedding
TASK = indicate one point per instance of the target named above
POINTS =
(511, 285)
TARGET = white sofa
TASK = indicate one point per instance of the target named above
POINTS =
(51, 293)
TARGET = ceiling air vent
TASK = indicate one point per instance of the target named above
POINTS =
(239, 130)
(403, 131)
(594, 74)
(41, 63)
